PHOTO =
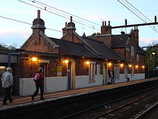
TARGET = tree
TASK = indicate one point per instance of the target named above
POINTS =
(151, 60)
(94, 34)
(6, 47)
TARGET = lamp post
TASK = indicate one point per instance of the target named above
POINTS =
(153, 54)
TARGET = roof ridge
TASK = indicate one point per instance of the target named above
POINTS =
(49, 40)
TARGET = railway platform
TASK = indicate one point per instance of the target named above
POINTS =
(23, 101)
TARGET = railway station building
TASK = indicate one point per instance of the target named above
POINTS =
(74, 61)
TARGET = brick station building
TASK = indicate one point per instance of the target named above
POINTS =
(75, 61)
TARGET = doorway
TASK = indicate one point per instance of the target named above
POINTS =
(43, 66)
(71, 74)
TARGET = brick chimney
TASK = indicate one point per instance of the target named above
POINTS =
(136, 35)
(71, 25)
(38, 24)
(64, 29)
(105, 35)
(105, 29)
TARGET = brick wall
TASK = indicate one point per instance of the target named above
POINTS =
(28, 68)
(70, 35)
(37, 43)
(106, 39)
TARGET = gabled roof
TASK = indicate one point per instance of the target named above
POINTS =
(72, 48)
(119, 41)
(105, 51)
(140, 50)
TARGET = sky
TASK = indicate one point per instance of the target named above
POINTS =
(87, 16)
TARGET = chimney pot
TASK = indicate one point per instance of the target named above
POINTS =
(102, 23)
(38, 14)
(105, 23)
(70, 18)
(65, 24)
(108, 23)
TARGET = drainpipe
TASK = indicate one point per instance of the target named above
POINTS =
(18, 88)
(16, 83)
(9, 57)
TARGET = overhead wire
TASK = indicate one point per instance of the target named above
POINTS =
(131, 10)
(136, 12)
(45, 7)
(25, 23)
(64, 12)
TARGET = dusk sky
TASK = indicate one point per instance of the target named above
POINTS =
(87, 16)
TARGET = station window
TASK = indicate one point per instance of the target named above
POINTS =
(98, 69)
(132, 51)
(2, 70)
(137, 57)
(92, 72)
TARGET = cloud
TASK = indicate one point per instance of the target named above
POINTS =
(14, 33)
(12, 36)
(148, 41)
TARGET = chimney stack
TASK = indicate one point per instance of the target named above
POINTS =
(70, 18)
(38, 13)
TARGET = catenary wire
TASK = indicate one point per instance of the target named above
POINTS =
(30, 23)
(25, 22)
(85, 24)
(134, 12)
(65, 12)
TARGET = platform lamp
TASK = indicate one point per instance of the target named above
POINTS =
(153, 54)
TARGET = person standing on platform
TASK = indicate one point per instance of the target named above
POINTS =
(111, 76)
(7, 83)
(39, 85)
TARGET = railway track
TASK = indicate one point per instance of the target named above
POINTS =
(122, 108)
(150, 113)
(83, 105)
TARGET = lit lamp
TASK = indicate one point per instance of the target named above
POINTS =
(130, 65)
(109, 64)
(153, 53)
(87, 62)
(136, 66)
(66, 61)
(34, 59)
(121, 65)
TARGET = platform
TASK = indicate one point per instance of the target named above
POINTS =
(20, 101)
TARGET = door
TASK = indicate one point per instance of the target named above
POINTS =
(105, 73)
(69, 75)
(116, 72)
(43, 66)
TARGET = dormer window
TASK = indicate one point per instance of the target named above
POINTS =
(132, 51)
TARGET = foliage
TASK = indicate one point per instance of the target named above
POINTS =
(151, 60)
(8, 47)
(94, 34)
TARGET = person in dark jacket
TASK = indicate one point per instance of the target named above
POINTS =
(7, 82)
(111, 76)
(39, 85)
